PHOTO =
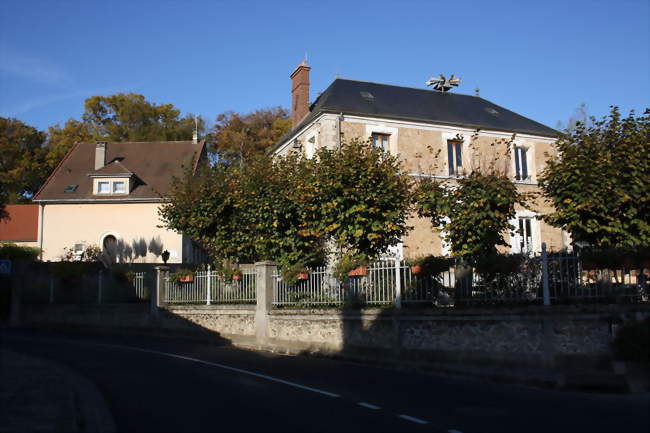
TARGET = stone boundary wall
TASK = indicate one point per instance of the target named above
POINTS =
(534, 338)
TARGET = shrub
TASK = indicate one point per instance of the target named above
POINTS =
(10, 251)
(432, 265)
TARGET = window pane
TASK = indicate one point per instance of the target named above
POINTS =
(459, 155)
(103, 187)
(384, 143)
(450, 156)
(517, 166)
(374, 141)
(524, 163)
(118, 187)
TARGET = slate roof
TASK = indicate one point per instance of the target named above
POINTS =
(113, 168)
(152, 164)
(420, 105)
(22, 224)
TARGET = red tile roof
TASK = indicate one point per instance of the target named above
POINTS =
(22, 224)
(154, 164)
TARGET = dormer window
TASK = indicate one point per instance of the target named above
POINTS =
(108, 186)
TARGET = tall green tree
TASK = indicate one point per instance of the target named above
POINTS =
(599, 184)
(238, 136)
(360, 200)
(473, 213)
(130, 117)
(21, 158)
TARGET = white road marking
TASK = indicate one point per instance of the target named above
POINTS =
(414, 419)
(225, 367)
(368, 405)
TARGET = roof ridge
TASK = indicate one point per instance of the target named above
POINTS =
(407, 87)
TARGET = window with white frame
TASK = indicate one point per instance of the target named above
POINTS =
(119, 187)
(380, 141)
(521, 163)
(525, 234)
(455, 156)
(103, 187)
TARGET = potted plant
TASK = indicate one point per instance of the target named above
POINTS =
(351, 266)
(182, 276)
(429, 265)
(130, 276)
(237, 275)
(303, 275)
(292, 273)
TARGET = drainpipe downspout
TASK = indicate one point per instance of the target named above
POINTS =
(40, 230)
(339, 119)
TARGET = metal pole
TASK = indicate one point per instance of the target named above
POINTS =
(209, 286)
(398, 283)
(99, 287)
(51, 290)
(547, 296)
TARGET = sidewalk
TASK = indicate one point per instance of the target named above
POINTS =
(37, 395)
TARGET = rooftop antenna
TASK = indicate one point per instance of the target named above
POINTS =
(442, 84)
(477, 92)
(195, 134)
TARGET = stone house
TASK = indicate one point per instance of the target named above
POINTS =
(108, 195)
(433, 133)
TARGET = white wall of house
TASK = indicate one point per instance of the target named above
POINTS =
(64, 225)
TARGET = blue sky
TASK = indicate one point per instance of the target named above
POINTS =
(541, 59)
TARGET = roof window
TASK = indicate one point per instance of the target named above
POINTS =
(367, 96)
(70, 188)
(492, 111)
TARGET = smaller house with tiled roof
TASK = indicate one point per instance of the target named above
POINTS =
(108, 195)
(21, 225)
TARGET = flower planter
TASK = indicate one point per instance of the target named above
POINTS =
(237, 277)
(359, 271)
(303, 276)
(416, 269)
(186, 278)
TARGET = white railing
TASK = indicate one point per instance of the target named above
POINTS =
(392, 282)
(209, 287)
(141, 290)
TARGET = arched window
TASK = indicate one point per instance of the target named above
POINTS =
(109, 247)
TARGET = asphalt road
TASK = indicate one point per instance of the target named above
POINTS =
(156, 384)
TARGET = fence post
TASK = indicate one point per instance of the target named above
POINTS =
(546, 293)
(99, 286)
(209, 286)
(158, 295)
(398, 283)
(51, 289)
(264, 295)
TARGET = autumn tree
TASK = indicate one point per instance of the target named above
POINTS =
(21, 157)
(130, 117)
(239, 136)
(599, 182)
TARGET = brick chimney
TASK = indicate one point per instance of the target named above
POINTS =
(100, 154)
(299, 93)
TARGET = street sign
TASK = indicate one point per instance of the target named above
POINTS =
(5, 266)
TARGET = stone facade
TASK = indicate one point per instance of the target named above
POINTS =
(422, 150)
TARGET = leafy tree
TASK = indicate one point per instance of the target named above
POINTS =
(245, 213)
(474, 213)
(20, 159)
(61, 139)
(239, 136)
(360, 200)
(130, 117)
(600, 181)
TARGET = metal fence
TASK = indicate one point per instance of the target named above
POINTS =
(537, 279)
(209, 287)
(100, 287)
